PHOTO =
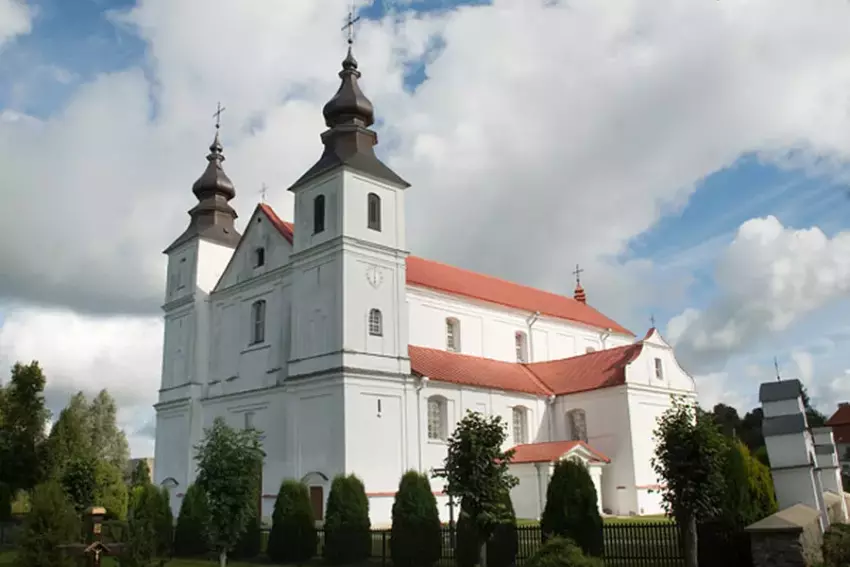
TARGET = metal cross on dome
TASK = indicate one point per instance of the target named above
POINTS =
(349, 24)
(217, 115)
(577, 273)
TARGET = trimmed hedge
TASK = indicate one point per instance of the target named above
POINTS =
(561, 552)
(347, 527)
(293, 537)
(190, 535)
(415, 539)
(572, 509)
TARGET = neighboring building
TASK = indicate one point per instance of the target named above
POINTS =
(840, 424)
(352, 356)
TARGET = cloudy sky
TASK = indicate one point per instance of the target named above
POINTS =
(691, 156)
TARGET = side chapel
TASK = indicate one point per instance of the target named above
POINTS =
(353, 356)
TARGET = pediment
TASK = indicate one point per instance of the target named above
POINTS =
(266, 232)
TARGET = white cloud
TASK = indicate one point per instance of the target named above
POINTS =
(546, 135)
(80, 353)
(769, 277)
(15, 19)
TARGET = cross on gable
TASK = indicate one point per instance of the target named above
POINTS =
(263, 192)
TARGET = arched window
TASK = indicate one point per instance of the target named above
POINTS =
(520, 423)
(521, 341)
(577, 425)
(452, 335)
(376, 323)
(374, 212)
(258, 322)
(437, 419)
(318, 214)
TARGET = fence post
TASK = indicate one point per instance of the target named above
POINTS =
(383, 549)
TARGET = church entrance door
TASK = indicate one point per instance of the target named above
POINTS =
(317, 499)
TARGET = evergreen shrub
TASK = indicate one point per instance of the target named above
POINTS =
(749, 495)
(51, 522)
(190, 535)
(293, 538)
(572, 509)
(504, 543)
(562, 552)
(415, 539)
(347, 527)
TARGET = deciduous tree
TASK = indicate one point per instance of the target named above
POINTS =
(689, 458)
(22, 434)
(108, 440)
(227, 463)
(476, 473)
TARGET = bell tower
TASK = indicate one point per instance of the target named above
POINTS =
(349, 307)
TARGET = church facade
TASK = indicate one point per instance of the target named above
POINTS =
(352, 356)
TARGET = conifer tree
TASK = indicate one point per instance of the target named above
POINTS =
(415, 539)
(50, 523)
(293, 537)
(504, 543)
(141, 474)
(190, 536)
(347, 526)
(572, 509)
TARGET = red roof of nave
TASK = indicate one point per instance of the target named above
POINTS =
(457, 281)
(551, 451)
(591, 371)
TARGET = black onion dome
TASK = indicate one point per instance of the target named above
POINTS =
(214, 181)
(349, 105)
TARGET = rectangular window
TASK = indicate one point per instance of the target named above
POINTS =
(519, 423)
(318, 214)
(435, 419)
(249, 420)
(258, 322)
(521, 347)
(659, 369)
(259, 257)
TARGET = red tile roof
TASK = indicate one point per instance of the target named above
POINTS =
(840, 417)
(552, 451)
(457, 281)
(442, 277)
(592, 371)
(287, 229)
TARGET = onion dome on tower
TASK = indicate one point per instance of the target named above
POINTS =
(213, 217)
(349, 141)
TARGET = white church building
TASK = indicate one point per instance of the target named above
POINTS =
(352, 356)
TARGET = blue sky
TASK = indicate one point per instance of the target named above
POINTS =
(73, 43)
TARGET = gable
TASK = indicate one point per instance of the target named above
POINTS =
(266, 232)
(657, 353)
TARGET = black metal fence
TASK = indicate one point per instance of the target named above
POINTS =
(626, 545)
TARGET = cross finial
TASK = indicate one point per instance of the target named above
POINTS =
(652, 320)
(349, 23)
(217, 115)
(776, 366)
(263, 192)
(577, 273)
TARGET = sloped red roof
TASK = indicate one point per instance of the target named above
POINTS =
(551, 451)
(840, 417)
(592, 371)
(287, 229)
(457, 281)
(841, 433)
(442, 277)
